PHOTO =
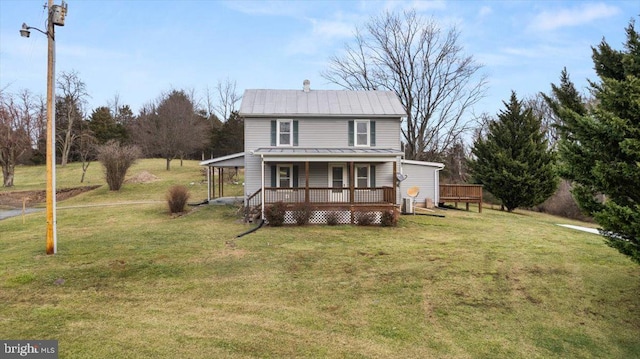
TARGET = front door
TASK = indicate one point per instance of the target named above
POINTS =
(338, 183)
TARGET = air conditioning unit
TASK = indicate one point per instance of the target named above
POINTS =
(407, 205)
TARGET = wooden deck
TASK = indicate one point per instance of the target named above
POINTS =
(461, 193)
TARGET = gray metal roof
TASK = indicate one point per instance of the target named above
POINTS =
(327, 154)
(350, 151)
(233, 160)
(269, 103)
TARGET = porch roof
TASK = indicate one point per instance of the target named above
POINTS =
(327, 154)
(234, 160)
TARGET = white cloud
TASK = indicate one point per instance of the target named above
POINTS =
(421, 5)
(332, 28)
(551, 20)
(271, 7)
(417, 5)
(485, 11)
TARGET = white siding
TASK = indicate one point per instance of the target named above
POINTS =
(424, 177)
(315, 133)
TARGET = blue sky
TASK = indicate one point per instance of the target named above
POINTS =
(138, 49)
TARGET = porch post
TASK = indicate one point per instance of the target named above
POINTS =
(213, 181)
(262, 186)
(395, 180)
(208, 184)
(306, 182)
(351, 186)
(219, 182)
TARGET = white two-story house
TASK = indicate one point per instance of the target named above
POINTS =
(338, 151)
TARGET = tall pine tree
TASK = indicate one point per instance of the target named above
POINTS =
(514, 162)
(600, 149)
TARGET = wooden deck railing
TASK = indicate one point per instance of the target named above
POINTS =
(323, 197)
(318, 195)
(464, 193)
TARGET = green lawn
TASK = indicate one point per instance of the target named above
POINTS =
(130, 281)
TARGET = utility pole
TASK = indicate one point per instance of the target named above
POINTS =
(52, 237)
(56, 16)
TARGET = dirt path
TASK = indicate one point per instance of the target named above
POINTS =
(31, 198)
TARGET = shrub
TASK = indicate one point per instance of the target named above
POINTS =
(275, 214)
(302, 213)
(177, 197)
(365, 218)
(116, 160)
(389, 218)
(332, 218)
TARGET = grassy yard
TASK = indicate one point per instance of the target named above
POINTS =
(130, 281)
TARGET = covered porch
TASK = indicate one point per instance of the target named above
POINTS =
(329, 181)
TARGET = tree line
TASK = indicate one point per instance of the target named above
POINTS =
(175, 125)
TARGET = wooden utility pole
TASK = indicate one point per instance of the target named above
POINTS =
(52, 240)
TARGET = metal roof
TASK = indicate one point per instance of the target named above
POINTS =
(233, 160)
(269, 103)
(350, 151)
(296, 154)
(424, 163)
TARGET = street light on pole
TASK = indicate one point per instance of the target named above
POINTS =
(56, 16)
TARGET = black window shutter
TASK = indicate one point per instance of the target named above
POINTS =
(273, 132)
(295, 132)
(295, 176)
(372, 129)
(274, 171)
(372, 174)
(351, 133)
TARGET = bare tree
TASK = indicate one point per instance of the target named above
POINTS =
(541, 109)
(87, 147)
(69, 111)
(20, 122)
(170, 127)
(228, 98)
(436, 82)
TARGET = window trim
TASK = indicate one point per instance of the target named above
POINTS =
(356, 177)
(278, 122)
(355, 133)
(290, 167)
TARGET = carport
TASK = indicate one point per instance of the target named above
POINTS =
(234, 161)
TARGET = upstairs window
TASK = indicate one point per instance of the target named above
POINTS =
(362, 133)
(284, 133)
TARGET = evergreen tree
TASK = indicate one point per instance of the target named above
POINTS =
(105, 127)
(513, 162)
(564, 97)
(600, 149)
(230, 138)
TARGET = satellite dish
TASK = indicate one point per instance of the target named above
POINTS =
(401, 177)
(413, 191)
